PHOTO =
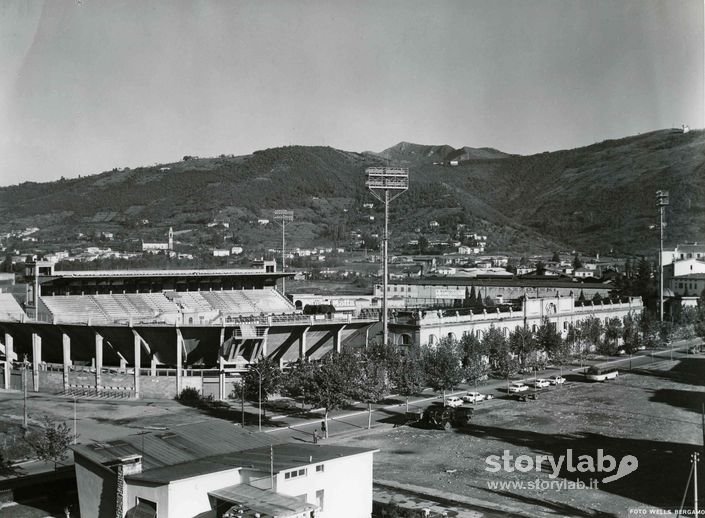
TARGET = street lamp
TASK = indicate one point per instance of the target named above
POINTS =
(25, 366)
(386, 184)
(661, 203)
(282, 216)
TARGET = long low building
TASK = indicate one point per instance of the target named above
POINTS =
(427, 327)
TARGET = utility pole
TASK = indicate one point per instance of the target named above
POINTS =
(282, 216)
(386, 184)
(661, 203)
(695, 483)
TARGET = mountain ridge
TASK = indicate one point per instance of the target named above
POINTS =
(595, 198)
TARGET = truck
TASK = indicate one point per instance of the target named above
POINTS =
(441, 417)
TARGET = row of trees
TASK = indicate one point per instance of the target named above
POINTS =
(370, 375)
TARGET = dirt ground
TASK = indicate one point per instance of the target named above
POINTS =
(652, 414)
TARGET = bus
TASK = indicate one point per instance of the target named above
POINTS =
(601, 374)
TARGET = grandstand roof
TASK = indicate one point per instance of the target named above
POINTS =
(78, 274)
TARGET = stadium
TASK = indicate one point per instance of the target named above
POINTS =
(152, 333)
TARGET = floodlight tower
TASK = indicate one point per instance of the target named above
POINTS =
(661, 203)
(282, 216)
(386, 184)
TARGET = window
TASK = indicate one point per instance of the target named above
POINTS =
(146, 508)
(295, 473)
(320, 468)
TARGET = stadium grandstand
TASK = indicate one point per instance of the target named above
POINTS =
(151, 333)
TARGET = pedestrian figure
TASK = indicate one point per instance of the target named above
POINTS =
(323, 429)
(315, 436)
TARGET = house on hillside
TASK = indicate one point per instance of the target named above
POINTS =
(213, 469)
(583, 273)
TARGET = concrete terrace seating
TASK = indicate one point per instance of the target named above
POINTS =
(71, 308)
(193, 300)
(135, 305)
(230, 302)
(269, 301)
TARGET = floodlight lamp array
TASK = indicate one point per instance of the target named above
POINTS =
(284, 215)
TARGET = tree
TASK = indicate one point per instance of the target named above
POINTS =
(51, 443)
(556, 258)
(333, 382)
(522, 343)
(442, 365)
(297, 381)
(423, 244)
(581, 298)
(590, 330)
(577, 263)
(613, 330)
(474, 358)
(548, 339)
(406, 372)
(540, 268)
(370, 376)
(472, 299)
(262, 380)
(630, 333)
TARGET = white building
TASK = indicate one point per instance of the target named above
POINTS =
(683, 252)
(154, 248)
(204, 469)
(427, 327)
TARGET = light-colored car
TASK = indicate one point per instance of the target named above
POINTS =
(541, 383)
(556, 380)
(454, 401)
(474, 397)
(518, 386)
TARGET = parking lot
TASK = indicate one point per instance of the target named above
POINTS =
(652, 413)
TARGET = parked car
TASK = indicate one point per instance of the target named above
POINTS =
(556, 380)
(518, 386)
(694, 349)
(454, 401)
(474, 397)
(541, 383)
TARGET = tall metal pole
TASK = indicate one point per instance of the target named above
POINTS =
(283, 256)
(661, 202)
(281, 216)
(383, 180)
(660, 263)
(385, 318)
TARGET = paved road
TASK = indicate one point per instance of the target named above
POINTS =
(354, 420)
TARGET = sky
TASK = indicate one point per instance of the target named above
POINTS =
(91, 85)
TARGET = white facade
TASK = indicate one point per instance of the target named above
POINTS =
(427, 327)
(338, 485)
(683, 251)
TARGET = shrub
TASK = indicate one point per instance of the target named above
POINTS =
(189, 396)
